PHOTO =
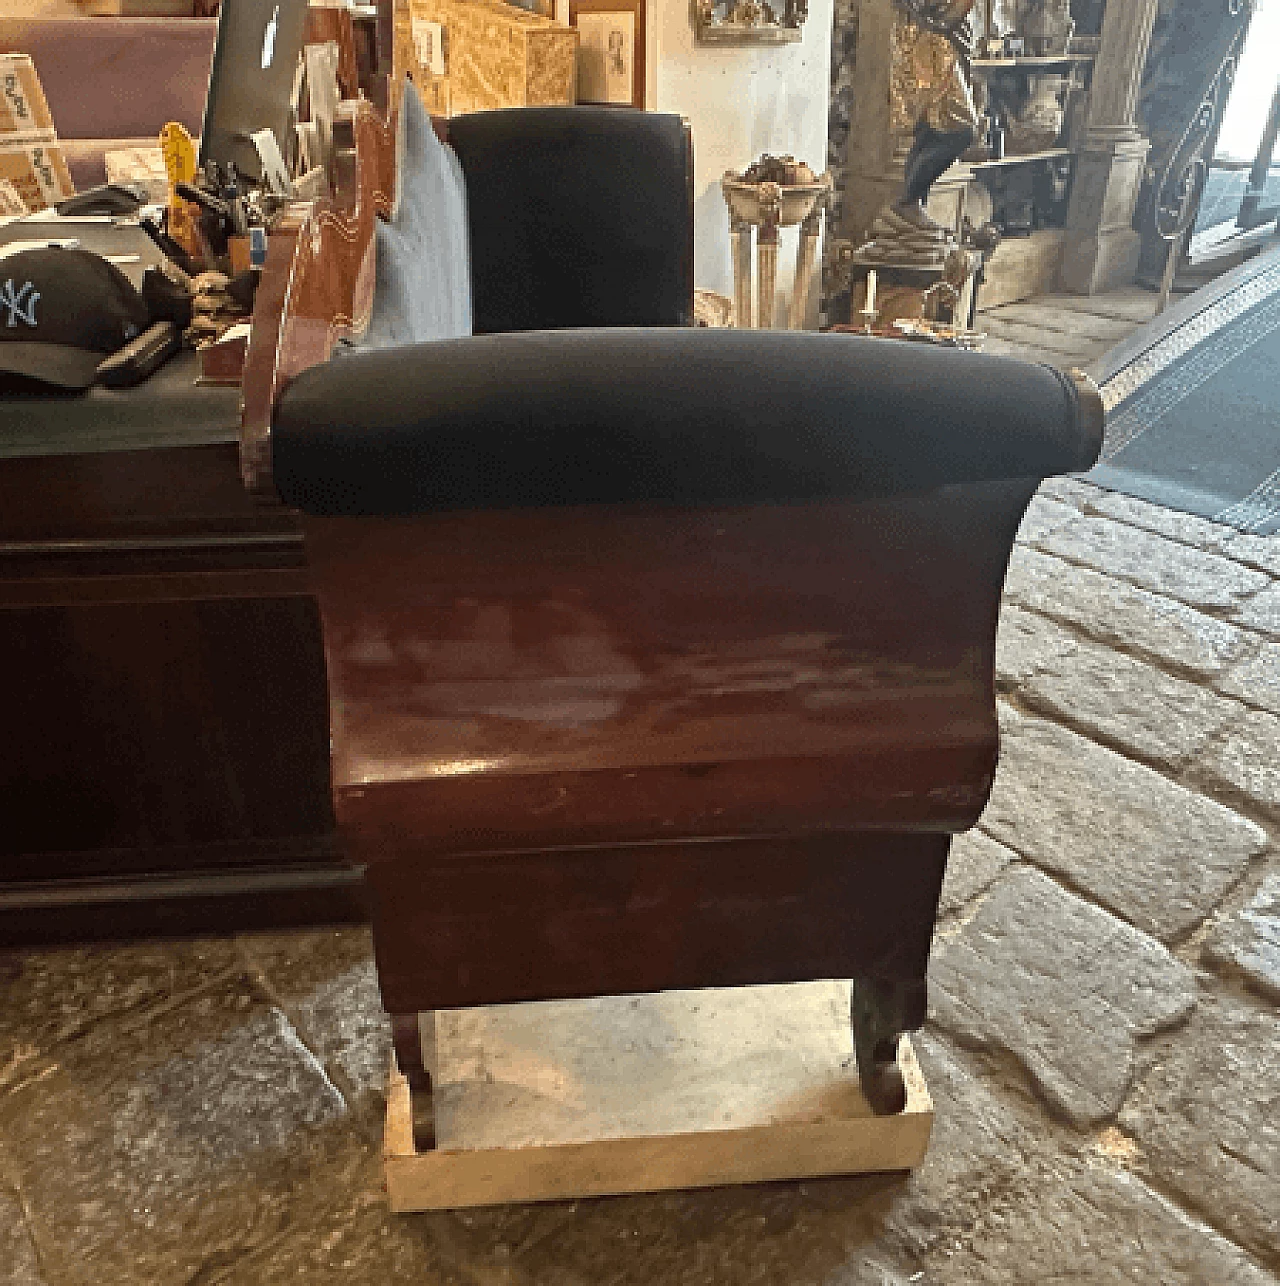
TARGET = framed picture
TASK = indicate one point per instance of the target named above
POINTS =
(611, 38)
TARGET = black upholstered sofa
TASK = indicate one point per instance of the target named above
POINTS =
(658, 656)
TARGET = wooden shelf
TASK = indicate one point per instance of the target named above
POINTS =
(1048, 60)
(1047, 155)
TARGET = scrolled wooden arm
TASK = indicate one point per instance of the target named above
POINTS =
(317, 283)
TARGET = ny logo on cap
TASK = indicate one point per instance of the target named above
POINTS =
(21, 304)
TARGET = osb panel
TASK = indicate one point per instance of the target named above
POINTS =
(553, 71)
(498, 56)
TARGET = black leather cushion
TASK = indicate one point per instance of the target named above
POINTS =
(579, 216)
(668, 415)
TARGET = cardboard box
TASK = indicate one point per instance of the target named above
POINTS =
(30, 157)
(137, 8)
(478, 55)
(24, 113)
(143, 165)
(10, 202)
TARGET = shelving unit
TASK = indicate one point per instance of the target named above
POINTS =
(1036, 187)
(1048, 154)
(1045, 61)
(1026, 264)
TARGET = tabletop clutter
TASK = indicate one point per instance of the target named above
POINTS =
(207, 219)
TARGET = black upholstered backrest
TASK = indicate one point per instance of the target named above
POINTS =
(579, 217)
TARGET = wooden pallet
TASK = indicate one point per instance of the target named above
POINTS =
(547, 1101)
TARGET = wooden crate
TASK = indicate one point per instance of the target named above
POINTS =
(554, 1100)
(495, 55)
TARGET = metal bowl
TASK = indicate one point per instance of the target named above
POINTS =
(746, 201)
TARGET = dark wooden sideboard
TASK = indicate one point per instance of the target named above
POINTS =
(164, 721)
(164, 725)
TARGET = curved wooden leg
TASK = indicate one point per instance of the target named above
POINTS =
(415, 1056)
(406, 1039)
(876, 1018)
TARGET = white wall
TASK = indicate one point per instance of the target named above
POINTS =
(741, 100)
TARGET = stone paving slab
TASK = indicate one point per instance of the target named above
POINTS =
(18, 1264)
(1101, 1228)
(1262, 613)
(53, 996)
(1111, 611)
(1153, 562)
(1256, 680)
(1045, 514)
(1063, 986)
(1207, 1116)
(1070, 490)
(1254, 551)
(1189, 529)
(1026, 643)
(1155, 853)
(327, 984)
(1248, 941)
(1247, 759)
(1119, 699)
(148, 1153)
(359, 1244)
(975, 861)
(1262, 552)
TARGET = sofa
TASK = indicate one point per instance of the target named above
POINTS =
(658, 656)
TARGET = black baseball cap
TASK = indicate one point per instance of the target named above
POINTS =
(63, 310)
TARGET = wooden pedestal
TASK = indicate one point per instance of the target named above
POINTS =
(682, 1089)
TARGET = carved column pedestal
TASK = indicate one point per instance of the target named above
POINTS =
(1101, 248)
(873, 174)
(767, 253)
(768, 207)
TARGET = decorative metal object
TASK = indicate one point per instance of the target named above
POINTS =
(773, 193)
(761, 22)
(1182, 180)
(1179, 165)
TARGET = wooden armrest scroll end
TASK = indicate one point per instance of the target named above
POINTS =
(317, 283)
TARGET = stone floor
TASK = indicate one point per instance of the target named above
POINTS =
(1065, 330)
(1103, 1047)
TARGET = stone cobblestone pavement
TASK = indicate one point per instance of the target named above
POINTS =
(1103, 1044)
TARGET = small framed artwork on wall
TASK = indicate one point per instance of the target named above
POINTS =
(611, 37)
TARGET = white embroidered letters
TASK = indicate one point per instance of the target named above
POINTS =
(21, 304)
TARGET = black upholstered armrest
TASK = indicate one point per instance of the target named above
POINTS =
(667, 415)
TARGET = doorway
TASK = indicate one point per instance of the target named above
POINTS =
(1242, 190)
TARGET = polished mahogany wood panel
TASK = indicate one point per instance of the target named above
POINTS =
(537, 926)
(164, 683)
(327, 23)
(169, 493)
(317, 283)
(161, 735)
(621, 674)
(221, 898)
